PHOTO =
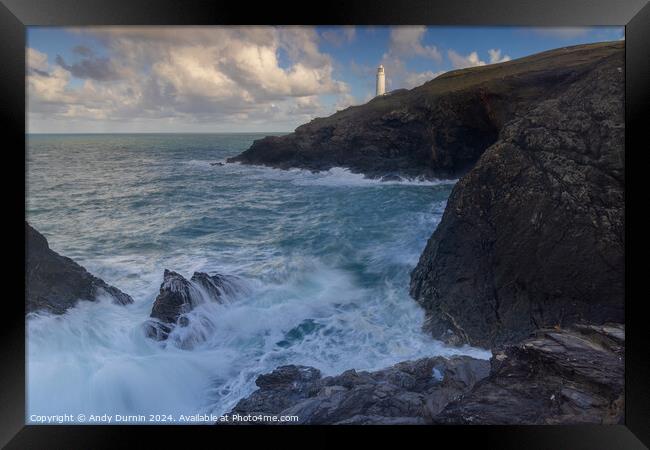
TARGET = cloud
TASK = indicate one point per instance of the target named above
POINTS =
(414, 79)
(82, 50)
(186, 74)
(459, 61)
(495, 56)
(339, 36)
(345, 101)
(36, 60)
(99, 69)
(406, 41)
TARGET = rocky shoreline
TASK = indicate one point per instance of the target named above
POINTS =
(557, 376)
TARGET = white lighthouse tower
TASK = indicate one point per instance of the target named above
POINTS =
(381, 80)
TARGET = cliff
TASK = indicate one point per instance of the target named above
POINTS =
(439, 129)
(533, 235)
(55, 283)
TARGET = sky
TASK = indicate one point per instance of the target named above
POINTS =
(244, 79)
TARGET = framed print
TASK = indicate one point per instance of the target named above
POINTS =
(377, 218)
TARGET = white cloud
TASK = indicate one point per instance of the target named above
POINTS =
(197, 74)
(406, 41)
(340, 36)
(459, 61)
(345, 101)
(413, 79)
(495, 56)
(36, 60)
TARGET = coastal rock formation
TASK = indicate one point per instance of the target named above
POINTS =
(555, 377)
(175, 297)
(439, 129)
(533, 235)
(410, 392)
(55, 283)
(179, 296)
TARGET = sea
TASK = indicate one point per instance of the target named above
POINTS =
(321, 263)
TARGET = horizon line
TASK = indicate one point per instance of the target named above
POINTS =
(157, 132)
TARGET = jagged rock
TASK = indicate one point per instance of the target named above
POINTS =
(563, 376)
(175, 297)
(556, 376)
(216, 286)
(407, 393)
(55, 283)
(439, 129)
(533, 235)
(179, 296)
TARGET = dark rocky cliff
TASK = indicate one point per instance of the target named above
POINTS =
(533, 235)
(439, 129)
(55, 283)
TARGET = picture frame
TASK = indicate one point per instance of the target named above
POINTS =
(16, 15)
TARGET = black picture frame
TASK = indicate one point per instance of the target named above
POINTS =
(16, 15)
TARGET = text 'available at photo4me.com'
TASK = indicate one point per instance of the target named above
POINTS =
(98, 419)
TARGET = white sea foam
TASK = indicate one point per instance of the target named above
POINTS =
(336, 177)
(323, 274)
(96, 358)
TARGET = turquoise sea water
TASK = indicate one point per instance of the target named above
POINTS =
(324, 261)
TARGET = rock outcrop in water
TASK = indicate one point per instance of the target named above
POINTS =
(179, 296)
(533, 235)
(439, 129)
(557, 376)
(55, 283)
(410, 392)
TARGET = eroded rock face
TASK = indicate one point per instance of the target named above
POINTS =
(408, 393)
(179, 296)
(533, 235)
(55, 283)
(564, 376)
(439, 129)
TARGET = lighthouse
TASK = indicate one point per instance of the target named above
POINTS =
(381, 80)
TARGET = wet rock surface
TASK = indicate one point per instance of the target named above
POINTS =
(55, 283)
(407, 393)
(439, 129)
(533, 235)
(179, 296)
(556, 376)
(563, 376)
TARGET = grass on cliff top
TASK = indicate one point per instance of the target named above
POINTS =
(461, 79)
